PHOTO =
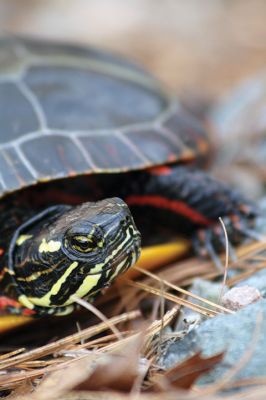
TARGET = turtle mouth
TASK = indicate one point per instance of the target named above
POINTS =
(128, 258)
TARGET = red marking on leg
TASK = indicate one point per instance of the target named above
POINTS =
(7, 304)
(176, 206)
(2, 252)
(161, 170)
(27, 312)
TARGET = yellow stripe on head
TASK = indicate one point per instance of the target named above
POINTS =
(22, 238)
(49, 247)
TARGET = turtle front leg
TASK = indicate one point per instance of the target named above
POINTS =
(190, 202)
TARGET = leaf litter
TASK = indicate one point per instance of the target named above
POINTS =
(116, 358)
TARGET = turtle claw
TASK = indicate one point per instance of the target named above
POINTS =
(203, 244)
(209, 242)
(241, 226)
(213, 255)
(231, 249)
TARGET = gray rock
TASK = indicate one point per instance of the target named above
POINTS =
(207, 289)
(260, 223)
(235, 335)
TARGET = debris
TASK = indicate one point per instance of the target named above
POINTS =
(239, 297)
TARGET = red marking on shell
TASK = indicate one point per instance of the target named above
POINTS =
(171, 157)
(2, 252)
(62, 157)
(162, 170)
(57, 196)
(176, 206)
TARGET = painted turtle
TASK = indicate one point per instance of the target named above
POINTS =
(81, 125)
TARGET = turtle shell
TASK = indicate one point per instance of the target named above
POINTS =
(67, 111)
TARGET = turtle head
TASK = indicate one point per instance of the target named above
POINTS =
(66, 251)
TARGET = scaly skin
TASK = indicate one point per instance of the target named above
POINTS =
(187, 201)
(169, 200)
(65, 251)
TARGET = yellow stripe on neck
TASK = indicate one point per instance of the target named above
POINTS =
(45, 300)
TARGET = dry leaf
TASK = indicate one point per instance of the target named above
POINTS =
(184, 375)
(25, 389)
(117, 371)
(60, 382)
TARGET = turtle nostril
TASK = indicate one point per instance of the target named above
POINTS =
(125, 221)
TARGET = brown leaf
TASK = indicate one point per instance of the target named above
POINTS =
(116, 371)
(24, 389)
(59, 382)
(184, 375)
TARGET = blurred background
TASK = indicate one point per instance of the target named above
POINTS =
(202, 46)
(199, 48)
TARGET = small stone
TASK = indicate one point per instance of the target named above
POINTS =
(240, 297)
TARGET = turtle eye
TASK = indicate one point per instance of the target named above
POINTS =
(84, 244)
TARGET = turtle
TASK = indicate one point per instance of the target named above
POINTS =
(88, 139)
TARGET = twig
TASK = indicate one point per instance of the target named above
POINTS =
(98, 314)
